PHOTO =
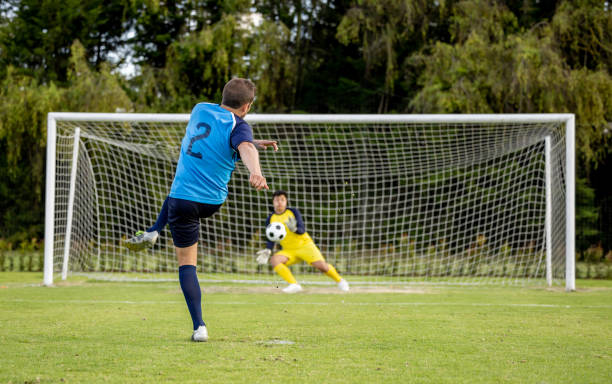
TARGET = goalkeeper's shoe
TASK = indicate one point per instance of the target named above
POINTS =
(343, 285)
(293, 288)
(142, 240)
(200, 334)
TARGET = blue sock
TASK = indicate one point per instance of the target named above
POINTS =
(162, 218)
(193, 296)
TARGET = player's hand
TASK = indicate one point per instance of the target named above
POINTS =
(258, 182)
(263, 256)
(291, 223)
(264, 144)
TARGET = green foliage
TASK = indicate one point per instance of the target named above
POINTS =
(23, 121)
(273, 66)
(92, 91)
(159, 24)
(199, 64)
(23, 113)
(383, 29)
(29, 258)
(591, 270)
(38, 38)
(492, 71)
(23, 116)
(587, 216)
(531, 12)
(583, 31)
(590, 98)
(197, 67)
(489, 19)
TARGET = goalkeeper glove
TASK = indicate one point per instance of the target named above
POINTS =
(263, 256)
(291, 223)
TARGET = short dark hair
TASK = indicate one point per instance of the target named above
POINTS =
(238, 92)
(279, 193)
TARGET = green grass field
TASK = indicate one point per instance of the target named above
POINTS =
(84, 331)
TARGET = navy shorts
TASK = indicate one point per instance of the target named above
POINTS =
(184, 220)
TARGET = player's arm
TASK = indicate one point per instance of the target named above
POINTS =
(241, 140)
(298, 226)
(250, 158)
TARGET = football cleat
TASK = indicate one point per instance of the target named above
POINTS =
(142, 240)
(200, 334)
(293, 288)
(343, 285)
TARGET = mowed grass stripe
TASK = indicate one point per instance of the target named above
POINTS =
(148, 302)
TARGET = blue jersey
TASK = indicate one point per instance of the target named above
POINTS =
(209, 152)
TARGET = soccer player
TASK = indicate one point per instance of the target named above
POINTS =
(296, 246)
(216, 137)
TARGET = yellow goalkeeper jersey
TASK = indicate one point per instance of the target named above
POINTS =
(293, 240)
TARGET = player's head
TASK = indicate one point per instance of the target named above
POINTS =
(280, 201)
(239, 94)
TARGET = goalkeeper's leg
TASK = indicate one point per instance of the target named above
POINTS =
(330, 271)
(279, 263)
(311, 254)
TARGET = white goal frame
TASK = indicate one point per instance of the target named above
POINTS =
(568, 120)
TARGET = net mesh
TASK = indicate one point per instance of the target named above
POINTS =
(384, 201)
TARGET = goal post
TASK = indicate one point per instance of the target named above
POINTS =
(387, 198)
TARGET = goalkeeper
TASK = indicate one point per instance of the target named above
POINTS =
(296, 246)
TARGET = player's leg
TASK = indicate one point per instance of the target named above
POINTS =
(312, 255)
(146, 239)
(280, 262)
(162, 218)
(184, 219)
(188, 279)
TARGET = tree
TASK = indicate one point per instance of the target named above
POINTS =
(90, 90)
(196, 68)
(587, 216)
(387, 32)
(495, 68)
(273, 67)
(583, 31)
(37, 39)
(531, 12)
(159, 24)
(23, 114)
(201, 62)
(23, 120)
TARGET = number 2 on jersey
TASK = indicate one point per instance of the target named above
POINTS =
(198, 137)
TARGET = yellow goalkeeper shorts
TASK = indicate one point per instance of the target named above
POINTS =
(308, 253)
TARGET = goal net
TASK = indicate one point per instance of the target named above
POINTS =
(467, 199)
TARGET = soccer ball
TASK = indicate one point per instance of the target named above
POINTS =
(276, 232)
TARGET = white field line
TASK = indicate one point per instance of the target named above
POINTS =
(302, 281)
(399, 304)
(204, 278)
